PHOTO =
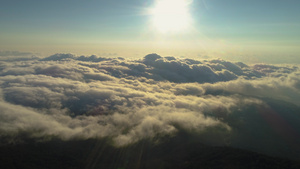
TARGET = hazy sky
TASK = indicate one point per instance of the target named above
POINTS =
(235, 28)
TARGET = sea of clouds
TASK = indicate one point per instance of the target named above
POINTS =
(65, 96)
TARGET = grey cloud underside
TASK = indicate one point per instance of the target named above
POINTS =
(73, 97)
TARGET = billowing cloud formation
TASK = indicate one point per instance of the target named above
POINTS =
(17, 56)
(70, 97)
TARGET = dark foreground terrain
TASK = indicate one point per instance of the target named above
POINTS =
(173, 153)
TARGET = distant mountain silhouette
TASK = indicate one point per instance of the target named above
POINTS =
(173, 153)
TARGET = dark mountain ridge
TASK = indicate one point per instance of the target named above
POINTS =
(179, 152)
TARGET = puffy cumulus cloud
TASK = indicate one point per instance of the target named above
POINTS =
(10, 56)
(15, 119)
(80, 97)
(284, 87)
(162, 120)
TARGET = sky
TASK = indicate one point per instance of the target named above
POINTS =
(250, 31)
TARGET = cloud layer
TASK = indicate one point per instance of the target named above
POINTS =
(71, 97)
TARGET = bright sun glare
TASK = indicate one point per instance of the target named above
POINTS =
(171, 15)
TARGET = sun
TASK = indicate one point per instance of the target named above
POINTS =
(171, 15)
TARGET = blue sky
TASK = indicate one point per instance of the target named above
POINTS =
(123, 26)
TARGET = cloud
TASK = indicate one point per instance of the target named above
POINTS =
(285, 87)
(70, 97)
(17, 56)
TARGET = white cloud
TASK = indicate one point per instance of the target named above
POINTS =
(68, 97)
(11, 56)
